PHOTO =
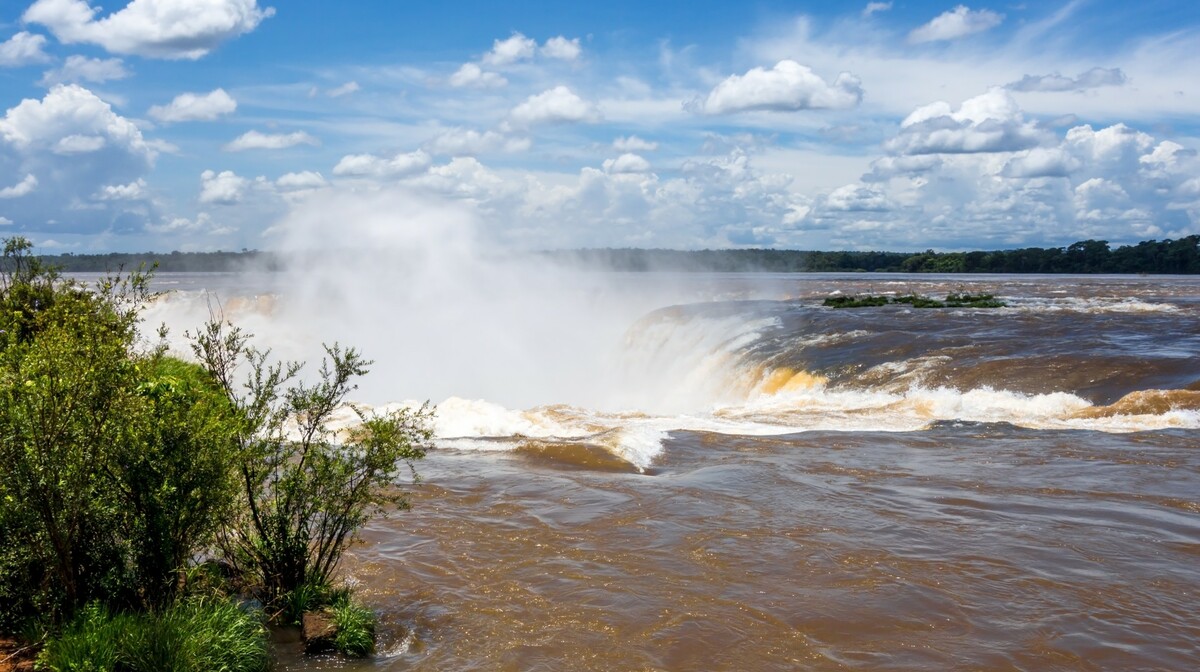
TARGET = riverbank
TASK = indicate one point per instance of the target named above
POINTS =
(16, 656)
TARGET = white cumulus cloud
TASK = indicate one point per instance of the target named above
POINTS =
(75, 144)
(626, 163)
(857, 198)
(991, 122)
(170, 29)
(66, 111)
(954, 24)
(471, 75)
(83, 69)
(257, 140)
(468, 142)
(1115, 183)
(195, 107)
(25, 186)
(557, 105)
(1041, 162)
(512, 50)
(633, 143)
(369, 165)
(223, 188)
(306, 179)
(133, 191)
(787, 87)
(181, 224)
(561, 48)
(22, 49)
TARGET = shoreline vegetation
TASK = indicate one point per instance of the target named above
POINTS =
(1153, 257)
(157, 513)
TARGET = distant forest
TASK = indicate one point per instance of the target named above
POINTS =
(1180, 256)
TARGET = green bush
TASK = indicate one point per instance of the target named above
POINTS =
(175, 472)
(305, 491)
(118, 462)
(194, 635)
(67, 397)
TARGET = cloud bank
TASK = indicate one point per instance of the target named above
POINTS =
(171, 29)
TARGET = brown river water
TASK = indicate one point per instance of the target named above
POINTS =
(751, 481)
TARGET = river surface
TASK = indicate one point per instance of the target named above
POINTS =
(726, 475)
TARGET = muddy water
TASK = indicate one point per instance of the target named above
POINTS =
(981, 547)
(784, 486)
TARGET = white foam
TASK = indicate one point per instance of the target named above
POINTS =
(476, 425)
(472, 418)
(1091, 305)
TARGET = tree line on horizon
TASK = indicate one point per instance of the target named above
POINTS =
(1178, 256)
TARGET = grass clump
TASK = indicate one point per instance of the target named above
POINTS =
(193, 635)
(312, 595)
(355, 629)
(354, 624)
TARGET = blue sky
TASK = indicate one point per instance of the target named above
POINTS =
(201, 124)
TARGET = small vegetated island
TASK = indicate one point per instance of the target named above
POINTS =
(952, 300)
(157, 513)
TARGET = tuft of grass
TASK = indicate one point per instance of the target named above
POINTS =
(92, 643)
(355, 629)
(312, 595)
(309, 596)
(195, 635)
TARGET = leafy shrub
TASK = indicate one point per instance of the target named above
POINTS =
(305, 491)
(118, 462)
(67, 382)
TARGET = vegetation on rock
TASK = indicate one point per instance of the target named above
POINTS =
(952, 300)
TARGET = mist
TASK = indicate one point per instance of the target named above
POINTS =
(416, 284)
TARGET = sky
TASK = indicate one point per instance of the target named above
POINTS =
(200, 124)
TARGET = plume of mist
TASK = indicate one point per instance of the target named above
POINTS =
(416, 284)
(413, 283)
